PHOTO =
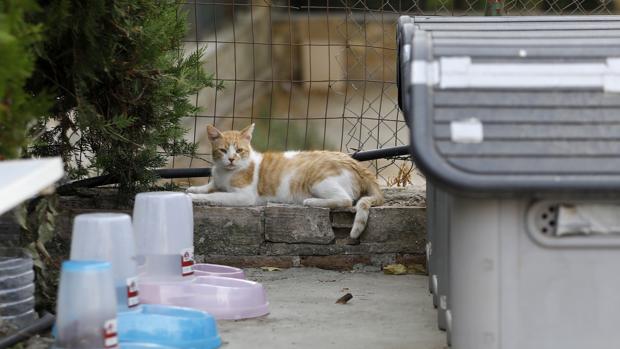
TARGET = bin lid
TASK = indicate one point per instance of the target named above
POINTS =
(479, 27)
(513, 111)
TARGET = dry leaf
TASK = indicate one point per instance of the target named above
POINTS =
(344, 299)
(395, 269)
(270, 269)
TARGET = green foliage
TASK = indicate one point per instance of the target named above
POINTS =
(37, 221)
(18, 108)
(121, 84)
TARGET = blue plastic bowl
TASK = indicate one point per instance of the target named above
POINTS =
(168, 326)
(144, 346)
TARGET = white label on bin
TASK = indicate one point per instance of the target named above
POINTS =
(466, 131)
(187, 261)
(110, 334)
(132, 292)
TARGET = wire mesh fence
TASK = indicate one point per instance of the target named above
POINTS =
(318, 74)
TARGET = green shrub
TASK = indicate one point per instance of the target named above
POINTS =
(18, 108)
(121, 84)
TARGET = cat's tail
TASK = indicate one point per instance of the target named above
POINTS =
(374, 197)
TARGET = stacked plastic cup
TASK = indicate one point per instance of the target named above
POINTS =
(109, 237)
(164, 228)
(86, 308)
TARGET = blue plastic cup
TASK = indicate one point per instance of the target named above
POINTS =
(86, 308)
(109, 237)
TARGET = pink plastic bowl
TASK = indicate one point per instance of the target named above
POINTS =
(205, 269)
(223, 297)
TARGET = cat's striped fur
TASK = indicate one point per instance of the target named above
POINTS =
(244, 177)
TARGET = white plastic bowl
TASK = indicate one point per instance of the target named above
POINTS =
(224, 298)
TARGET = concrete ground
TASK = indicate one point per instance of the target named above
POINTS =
(387, 311)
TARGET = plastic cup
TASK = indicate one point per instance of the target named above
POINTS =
(164, 229)
(224, 298)
(109, 237)
(86, 308)
(16, 287)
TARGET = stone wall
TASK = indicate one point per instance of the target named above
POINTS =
(9, 230)
(286, 236)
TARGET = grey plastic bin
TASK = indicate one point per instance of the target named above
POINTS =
(502, 145)
(479, 31)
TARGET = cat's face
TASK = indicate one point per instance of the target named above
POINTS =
(231, 149)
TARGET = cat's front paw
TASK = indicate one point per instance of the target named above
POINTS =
(196, 190)
(313, 202)
(202, 198)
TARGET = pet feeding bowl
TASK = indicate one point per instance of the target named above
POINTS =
(168, 274)
(109, 237)
(169, 326)
(205, 269)
(224, 298)
(164, 229)
(146, 346)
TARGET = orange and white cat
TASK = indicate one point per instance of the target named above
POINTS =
(244, 177)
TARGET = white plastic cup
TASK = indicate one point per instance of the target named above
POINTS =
(163, 224)
(109, 237)
(86, 308)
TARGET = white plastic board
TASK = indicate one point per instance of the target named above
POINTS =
(23, 179)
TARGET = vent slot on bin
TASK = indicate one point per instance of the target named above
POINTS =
(570, 220)
(545, 218)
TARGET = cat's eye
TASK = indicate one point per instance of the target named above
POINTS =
(223, 150)
(239, 151)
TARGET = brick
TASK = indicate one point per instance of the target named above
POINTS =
(335, 262)
(383, 259)
(228, 230)
(250, 261)
(295, 224)
(411, 259)
(414, 246)
(284, 249)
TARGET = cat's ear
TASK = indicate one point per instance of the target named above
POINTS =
(213, 133)
(247, 132)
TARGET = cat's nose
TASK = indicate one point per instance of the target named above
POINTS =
(231, 160)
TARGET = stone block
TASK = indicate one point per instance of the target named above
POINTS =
(395, 224)
(295, 224)
(228, 230)
(342, 218)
